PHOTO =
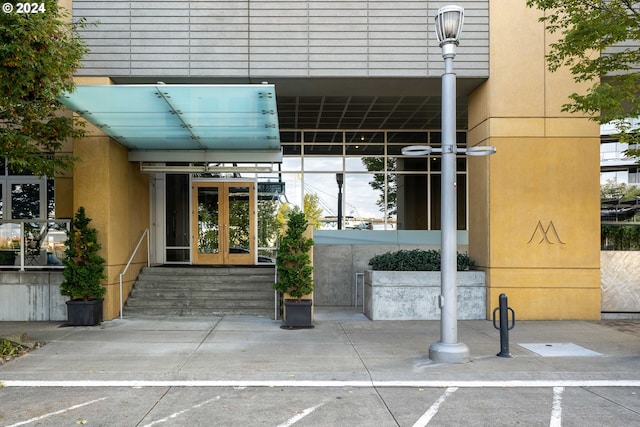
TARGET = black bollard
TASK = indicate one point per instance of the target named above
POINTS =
(504, 325)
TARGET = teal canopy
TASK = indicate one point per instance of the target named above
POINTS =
(203, 120)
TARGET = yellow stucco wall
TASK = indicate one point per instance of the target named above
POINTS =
(534, 205)
(116, 197)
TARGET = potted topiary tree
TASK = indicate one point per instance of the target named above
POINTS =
(295, 278)
(83, 272)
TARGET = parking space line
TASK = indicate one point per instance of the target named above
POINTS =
(177, 414)
(433, 410)
(291, 421)
(556, 409)
(62, 411)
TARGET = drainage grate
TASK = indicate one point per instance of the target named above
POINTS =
(559, 350)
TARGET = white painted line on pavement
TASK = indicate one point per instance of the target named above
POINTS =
(556, 409)
(62, 411)
(177, 414)
(291, 421)
(319, 383)
(433, 410)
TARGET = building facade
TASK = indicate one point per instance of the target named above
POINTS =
(352, 82)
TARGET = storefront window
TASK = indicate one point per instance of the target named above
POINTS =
(381, 186)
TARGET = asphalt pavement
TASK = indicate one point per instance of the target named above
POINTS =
(381, 364)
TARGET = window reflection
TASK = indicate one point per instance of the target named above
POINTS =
(25, 201)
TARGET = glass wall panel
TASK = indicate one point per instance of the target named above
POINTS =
(208, 220)
(25, 201)
(357, 149)
(177, 255)
(407, 137)
(292, 164)
(364, 200)
(323, 137)
(364, 137)
(323, 163)
(239, 226)
(177, 216)
(51, 199)
(380, 183)
(371, 164)
(322, 149)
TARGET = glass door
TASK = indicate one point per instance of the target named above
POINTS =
(224, 221)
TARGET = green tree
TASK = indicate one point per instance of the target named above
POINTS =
(39, 53)
(268, 225)
(599, 43)
(376, 164)
(293, 259)
(622, 191)
(312, 211)
(83, 266)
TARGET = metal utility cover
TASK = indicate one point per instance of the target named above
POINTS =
(559, 350)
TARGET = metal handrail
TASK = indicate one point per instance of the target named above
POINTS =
(135, 251)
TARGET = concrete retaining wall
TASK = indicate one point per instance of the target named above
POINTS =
(413, 295)
(336, 263)
(31, 296)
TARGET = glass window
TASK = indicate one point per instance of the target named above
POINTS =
(365, 200)
(407, 138)
(359, 149)
(364, 138)
(323, 163)
(381, 185)
(25, 201)
(292, 164)
(177, 212)
(51, 199)
(323, 150)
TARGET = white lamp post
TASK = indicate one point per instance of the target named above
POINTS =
(448, 350)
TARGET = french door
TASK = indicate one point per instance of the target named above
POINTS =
(224, 222)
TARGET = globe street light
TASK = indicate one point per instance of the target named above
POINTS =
(449, 21)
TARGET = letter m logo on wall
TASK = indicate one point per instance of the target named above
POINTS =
(546, 235)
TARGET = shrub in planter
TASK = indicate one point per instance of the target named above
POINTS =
(293, 259)
(293, 263)
(416, 260)
(83, 269)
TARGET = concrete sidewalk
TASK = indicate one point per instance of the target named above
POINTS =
(344, 346)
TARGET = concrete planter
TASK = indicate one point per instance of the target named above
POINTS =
(413, 295)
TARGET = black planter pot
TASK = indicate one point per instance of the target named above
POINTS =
(298, 314)
(84, 313)
(7, 257)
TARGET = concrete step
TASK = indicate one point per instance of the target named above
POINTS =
(188, 284)
(200, 312)
(201, 291)
(199, 303)
(198, 294)
(208, 271)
